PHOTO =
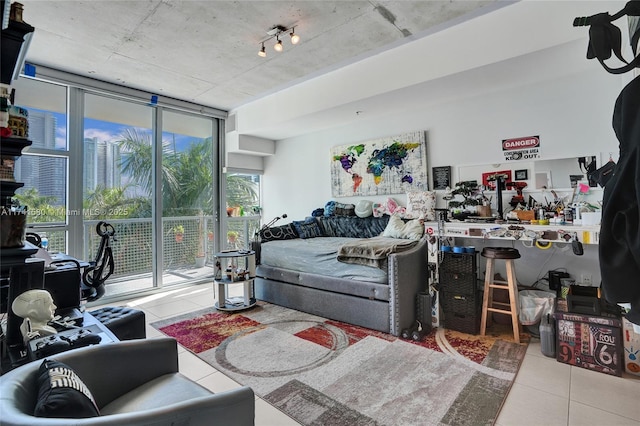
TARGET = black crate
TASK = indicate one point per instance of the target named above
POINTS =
(469, 324)
(461, 311)
(459, 262)
(466, 304)
(458, 282)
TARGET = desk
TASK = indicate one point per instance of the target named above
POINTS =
(516, 232)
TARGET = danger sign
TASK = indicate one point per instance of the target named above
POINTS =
(525, 148)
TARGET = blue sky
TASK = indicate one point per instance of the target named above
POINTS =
(107, 131)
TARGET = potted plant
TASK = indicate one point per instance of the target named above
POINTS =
(232, 236)
(178, 233)
(471, 196)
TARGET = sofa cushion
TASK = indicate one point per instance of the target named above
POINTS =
(352, 227)
(397, 228)
(162, 391)
(343, 209)
(284, 232)
(421, 204)
(307, 228)
(61, 393)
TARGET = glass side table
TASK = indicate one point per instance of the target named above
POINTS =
(235, 268)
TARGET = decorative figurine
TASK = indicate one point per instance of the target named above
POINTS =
(37, 309)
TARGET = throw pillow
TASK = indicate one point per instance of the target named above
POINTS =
(364, 208)
(343, 209)
(284, 232)
(61, 393)
(421, 204)
(308, 228)
(397, 228)
(379, 210)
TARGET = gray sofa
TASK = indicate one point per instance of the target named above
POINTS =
(133, 383)
(381, 302)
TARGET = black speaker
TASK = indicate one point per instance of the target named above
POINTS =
(423, 310)
(554, 279)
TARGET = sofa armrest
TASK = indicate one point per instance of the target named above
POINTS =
(408, 275)
(233, 407)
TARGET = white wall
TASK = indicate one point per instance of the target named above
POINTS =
(571, 113)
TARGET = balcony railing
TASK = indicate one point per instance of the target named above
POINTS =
(133, 244)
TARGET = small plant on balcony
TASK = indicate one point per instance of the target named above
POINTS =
(232, 236)
(178, 233)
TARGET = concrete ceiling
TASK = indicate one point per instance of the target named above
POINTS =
(206, 51)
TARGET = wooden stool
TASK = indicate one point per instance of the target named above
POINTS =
(507, 254)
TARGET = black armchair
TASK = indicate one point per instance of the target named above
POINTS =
(133, 383)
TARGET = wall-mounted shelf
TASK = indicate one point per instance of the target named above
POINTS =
(517, 232)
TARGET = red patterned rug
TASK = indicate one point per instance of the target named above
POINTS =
(321, 371)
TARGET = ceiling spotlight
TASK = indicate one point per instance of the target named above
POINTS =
(276, 32)
(295, 38)
(278, 46)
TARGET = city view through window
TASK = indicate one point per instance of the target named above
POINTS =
(118, 161)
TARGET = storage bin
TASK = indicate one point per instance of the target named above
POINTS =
(589, 341)
(461, 311)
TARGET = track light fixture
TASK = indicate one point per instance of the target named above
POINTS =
(276, 32)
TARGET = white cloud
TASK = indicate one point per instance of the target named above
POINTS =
(101, 135)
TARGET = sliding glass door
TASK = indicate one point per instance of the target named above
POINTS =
(117, 185)
(188, 230)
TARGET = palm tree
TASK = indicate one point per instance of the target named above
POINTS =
(241, 191)
(110, 203)
(41, 208)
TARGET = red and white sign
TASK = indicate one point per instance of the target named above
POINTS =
(525, 148)
(520, 143)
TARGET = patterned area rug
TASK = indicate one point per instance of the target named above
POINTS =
(324, 372)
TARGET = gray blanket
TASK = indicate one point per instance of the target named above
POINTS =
(372, 251)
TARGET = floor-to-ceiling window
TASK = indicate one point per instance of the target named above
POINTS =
(44, 166)
(150, 170)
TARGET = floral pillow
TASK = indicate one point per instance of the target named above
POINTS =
(421, 204)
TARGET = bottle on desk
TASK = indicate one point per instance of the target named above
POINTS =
(44, 242)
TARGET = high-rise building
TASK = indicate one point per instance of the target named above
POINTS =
(101, 164)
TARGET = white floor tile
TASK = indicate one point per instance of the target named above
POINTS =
(267, 415)
(218, 382)
(527, 406)
(172, 308)
(613, 394)
(193, 367)
(584, 415)
(545, 374)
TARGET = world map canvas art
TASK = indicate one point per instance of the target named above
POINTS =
(391, 165)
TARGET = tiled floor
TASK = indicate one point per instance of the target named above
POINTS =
(545, 391)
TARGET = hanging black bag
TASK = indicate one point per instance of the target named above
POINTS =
(603, 174)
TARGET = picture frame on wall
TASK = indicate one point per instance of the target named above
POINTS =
(521, 174)
(441, 177)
